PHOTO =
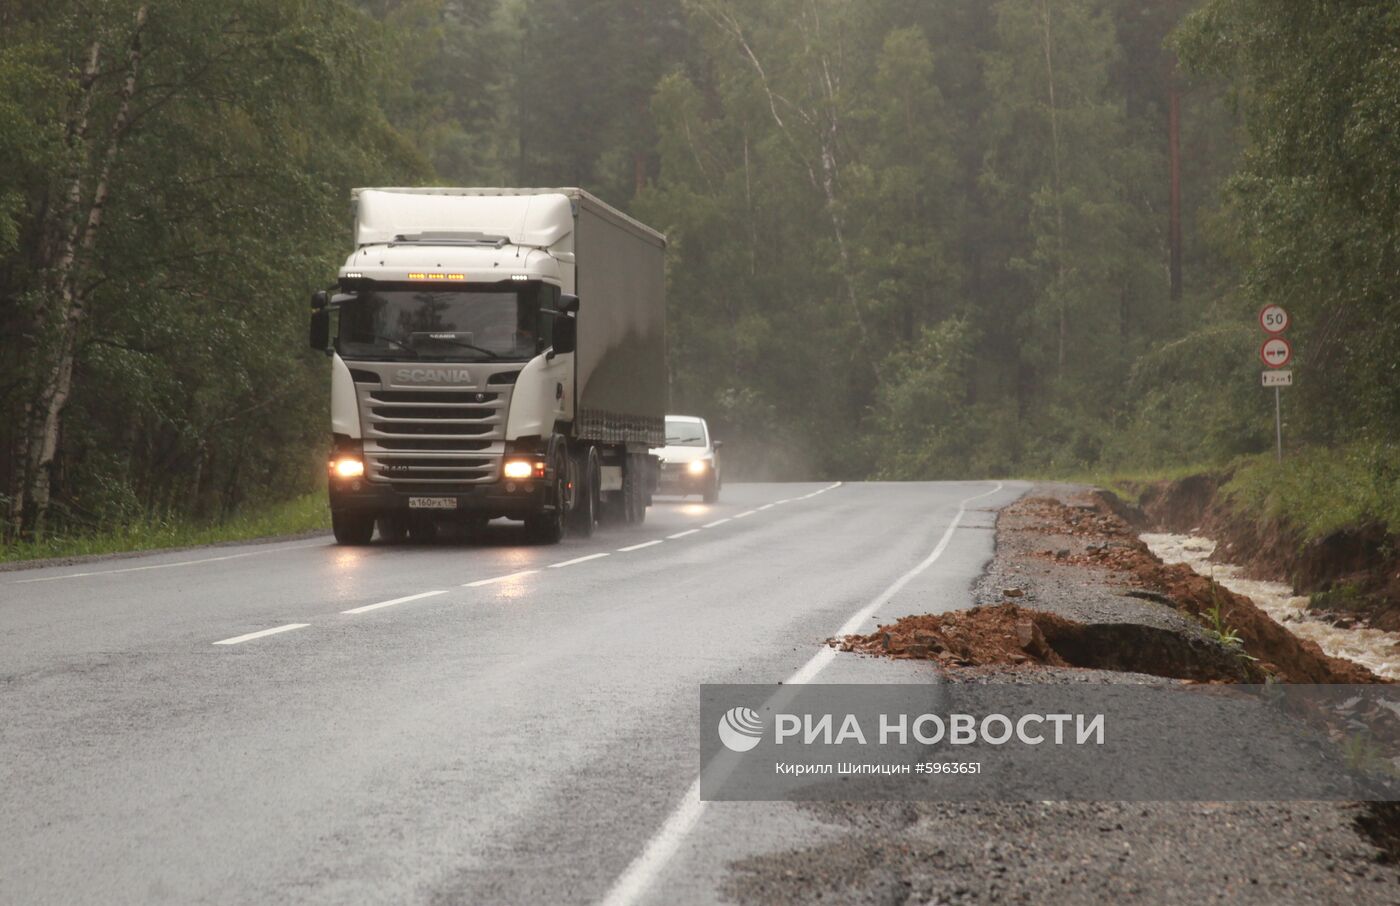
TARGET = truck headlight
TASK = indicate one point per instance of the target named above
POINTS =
(347, 467)
(697, 467)
(523, 468)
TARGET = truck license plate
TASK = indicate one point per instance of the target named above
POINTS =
(432, 503)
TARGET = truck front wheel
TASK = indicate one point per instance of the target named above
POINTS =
(352, 528)
(548, 527)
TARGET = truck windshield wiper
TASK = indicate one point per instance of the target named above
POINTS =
(399, 343)
(465, 345)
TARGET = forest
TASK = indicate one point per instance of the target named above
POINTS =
(908, 239)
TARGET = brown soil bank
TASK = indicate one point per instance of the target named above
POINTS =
(1354, 575)
(1090, 537)
(1007, 634)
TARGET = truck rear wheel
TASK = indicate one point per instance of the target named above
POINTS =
(352, 528)
(585, 511)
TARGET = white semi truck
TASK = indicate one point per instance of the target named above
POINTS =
(494, 353)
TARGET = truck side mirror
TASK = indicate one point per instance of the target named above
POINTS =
(717, 444)
(320, 330)
(565, 335)
(568, 303)
(320, 321)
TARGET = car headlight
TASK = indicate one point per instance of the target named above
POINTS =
(697, 467)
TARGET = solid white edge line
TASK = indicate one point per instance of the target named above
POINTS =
(637, 879)
(137, 569)
(682, 534)
(368, 607)
(494, 579)
(716, 522)
(637, 547)
(577, 560)
(238, 639)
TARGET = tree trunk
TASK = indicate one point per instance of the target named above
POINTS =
(44, 432)
(1174, 152)
(57, 240)
(1060, 303)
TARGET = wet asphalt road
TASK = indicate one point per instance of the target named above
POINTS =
(523, 739)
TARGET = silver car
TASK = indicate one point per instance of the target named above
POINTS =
(690, 460)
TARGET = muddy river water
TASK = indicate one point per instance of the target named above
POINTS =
(1379, 651)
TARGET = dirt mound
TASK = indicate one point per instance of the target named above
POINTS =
(1006, 634)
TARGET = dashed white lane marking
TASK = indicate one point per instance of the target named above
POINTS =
(681, 534)
(576, 560)
(716, 522)
(492, 581)
(766, 506)
(644, 870)
(239, 639)
(137, 569)
(637, 547)
(368, 607)
(744, 514)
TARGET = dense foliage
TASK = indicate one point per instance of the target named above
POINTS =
(909, 238)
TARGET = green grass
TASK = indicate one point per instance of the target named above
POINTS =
(1314, 491)
(304, 514)
(1322, 491)
(1126, 482)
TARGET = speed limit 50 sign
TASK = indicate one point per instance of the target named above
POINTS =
(1273, 319)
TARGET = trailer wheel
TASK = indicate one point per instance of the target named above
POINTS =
(352, 528)
(634, 495)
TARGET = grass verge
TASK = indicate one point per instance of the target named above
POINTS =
(1321, 491)
(303, 514)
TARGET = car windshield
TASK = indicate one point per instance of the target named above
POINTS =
(684, 432)
(458, 325)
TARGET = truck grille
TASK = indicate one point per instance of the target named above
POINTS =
(426, 435)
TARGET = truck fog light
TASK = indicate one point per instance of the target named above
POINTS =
(510, 487)
(696, 467)
(347, 468)
(519, 468)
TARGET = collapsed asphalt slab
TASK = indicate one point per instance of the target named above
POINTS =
(1071, 596)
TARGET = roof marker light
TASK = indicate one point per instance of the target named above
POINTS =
(520, 277)
(354, 275)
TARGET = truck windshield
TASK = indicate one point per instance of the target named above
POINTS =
(456, 325)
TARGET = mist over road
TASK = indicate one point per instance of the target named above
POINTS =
(488, 722)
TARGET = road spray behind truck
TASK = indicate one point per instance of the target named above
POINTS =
(494, 353)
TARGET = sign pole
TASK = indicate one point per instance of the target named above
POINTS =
(1278, 423)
